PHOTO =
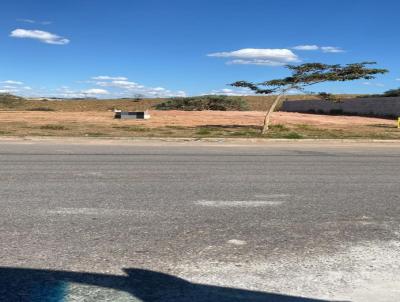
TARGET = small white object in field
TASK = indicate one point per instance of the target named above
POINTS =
(236, 242)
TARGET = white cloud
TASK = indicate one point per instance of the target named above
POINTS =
(160, 92)
(124, 84)
(105, 78)
(331, 49)
(398, 79)
(259, 56)
(95, 91)
(27, 21)
(66, 92)
(11, 82)
(10, 89)
(40, 35)
(181, 93)
(115, 89)
(326, 49)
(373, 84)
(122, 87)
(260, 62)
(231, 92)
(34, 21)
(159, 89)
(306, 47)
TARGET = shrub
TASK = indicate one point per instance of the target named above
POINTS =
(10, 100)
(392, 93)
(204, 131)
(138, 97)
(207, 102)
(329, 97)
(41, 109)
(293, 135)
(53, 127)
(279, 127)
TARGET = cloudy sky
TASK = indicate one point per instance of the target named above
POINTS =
(122, 48)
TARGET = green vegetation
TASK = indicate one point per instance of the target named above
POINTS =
(53, 127)
(329, 97)
(204, 131)
(278, 131)
(392, 93)
(95, 134)
(9, 100)
(207, 102)
(308, 74)
(133, 128)
(293, 135)
(41, 109)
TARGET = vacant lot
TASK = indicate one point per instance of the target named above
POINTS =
(194, 124)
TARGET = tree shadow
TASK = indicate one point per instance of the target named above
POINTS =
(33, 285)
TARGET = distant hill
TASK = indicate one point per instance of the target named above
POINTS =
(11, 102)
(4, 97)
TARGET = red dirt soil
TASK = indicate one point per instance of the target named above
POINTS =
(191, 118)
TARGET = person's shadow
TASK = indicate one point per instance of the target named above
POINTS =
(32, 285)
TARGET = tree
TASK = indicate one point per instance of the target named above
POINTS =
(306, 75)
(138, 97)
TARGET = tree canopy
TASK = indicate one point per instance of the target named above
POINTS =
(313, 73)
(309, 74)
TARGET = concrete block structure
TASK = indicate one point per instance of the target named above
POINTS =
(131, 114)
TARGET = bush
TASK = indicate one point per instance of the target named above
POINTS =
(10, 100)
(41, 109)
(329, 97)
(392, 93)
(53, 127)
(293, 135)
(207, 102)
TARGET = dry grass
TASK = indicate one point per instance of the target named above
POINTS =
(194, 124)
(256, 103)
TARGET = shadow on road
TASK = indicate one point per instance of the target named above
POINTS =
(32, 285)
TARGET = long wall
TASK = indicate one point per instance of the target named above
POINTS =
(387, 107)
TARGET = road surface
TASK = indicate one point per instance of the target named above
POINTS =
(194, 221)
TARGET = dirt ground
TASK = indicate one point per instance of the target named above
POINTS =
(102, 123)
(191, 118)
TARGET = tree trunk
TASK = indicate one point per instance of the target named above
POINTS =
(269, 113)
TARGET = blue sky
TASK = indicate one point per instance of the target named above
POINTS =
(120, 48)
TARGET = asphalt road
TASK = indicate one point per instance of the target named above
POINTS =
(199, 221)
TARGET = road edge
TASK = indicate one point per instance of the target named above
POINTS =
(152, 140)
